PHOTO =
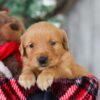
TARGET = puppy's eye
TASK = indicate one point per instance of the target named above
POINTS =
(31, 45)
(53, 43)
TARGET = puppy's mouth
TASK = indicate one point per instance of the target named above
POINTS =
(44, 63)
(47, 65)
(43, 66)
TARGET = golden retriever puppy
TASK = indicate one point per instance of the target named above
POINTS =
(46, 56)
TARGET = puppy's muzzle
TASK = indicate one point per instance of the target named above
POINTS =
(43, 61)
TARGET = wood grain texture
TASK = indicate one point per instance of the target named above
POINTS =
(83, 26)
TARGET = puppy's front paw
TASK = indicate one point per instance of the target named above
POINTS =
(27, 81)
(44, 81)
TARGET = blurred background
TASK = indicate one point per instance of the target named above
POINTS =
(80, 19)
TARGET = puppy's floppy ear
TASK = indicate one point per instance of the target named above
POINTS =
(64, 39)
(22, 48)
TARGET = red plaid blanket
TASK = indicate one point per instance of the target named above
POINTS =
(83, 88)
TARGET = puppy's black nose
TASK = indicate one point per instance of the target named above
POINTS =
(42, 60)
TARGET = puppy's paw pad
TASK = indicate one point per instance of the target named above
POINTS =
(44, 81)
(27, 81)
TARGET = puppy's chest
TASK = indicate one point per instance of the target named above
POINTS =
(37, 72)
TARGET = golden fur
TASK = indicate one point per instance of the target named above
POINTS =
(44, 39)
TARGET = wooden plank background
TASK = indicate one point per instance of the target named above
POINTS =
(83, 27)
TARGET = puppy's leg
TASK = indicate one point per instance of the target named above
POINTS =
(46, 78)
(27, 78)
(79, 71)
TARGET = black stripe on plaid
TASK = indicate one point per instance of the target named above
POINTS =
(6, 93)
(60, 86)
(93, 88)
(76, 82)
(13, 92)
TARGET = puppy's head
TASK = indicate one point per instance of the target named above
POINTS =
(43, 45)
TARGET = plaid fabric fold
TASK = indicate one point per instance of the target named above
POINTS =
(82, 88)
